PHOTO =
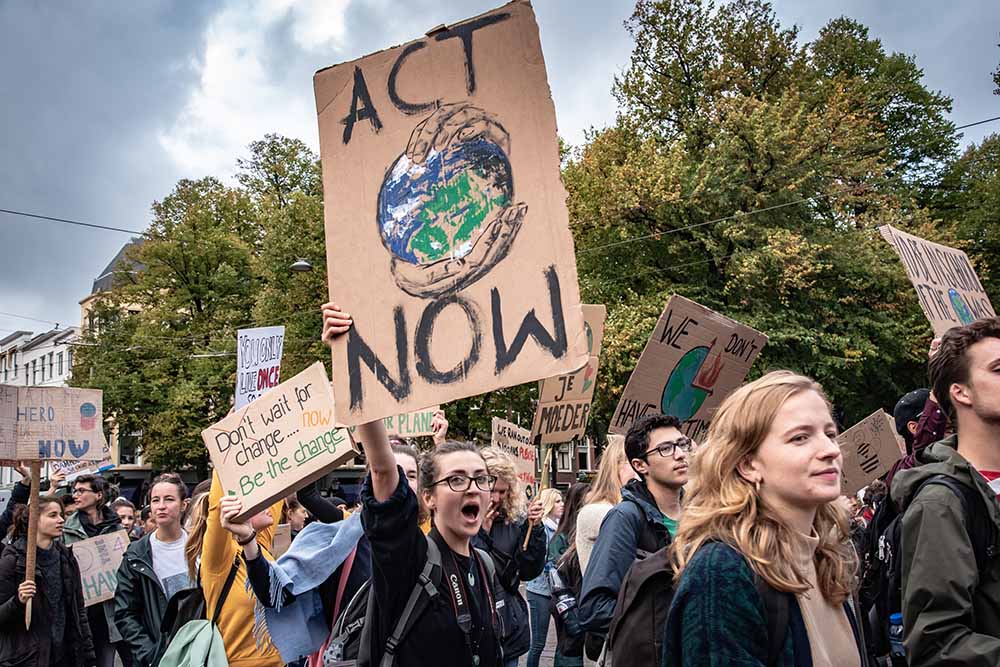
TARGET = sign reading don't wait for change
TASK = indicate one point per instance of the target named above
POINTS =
(279, 443)
(447, 232)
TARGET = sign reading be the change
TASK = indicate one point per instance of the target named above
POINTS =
(948, 288)
(279, 443)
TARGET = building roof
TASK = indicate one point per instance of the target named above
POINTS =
(12, 337)
(54, 337)
(120, 263)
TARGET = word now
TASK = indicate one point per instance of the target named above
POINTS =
(48, 449)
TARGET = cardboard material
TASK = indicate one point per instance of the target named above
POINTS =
(446, 225)
(99, 558)
(409, 425)
(282, 539)
(280, 442)
(516, 441)
(870, 449)
(51, 423)
(693, 360)
(948, 288)
(73, 469)
(258, 362)
(564, 401)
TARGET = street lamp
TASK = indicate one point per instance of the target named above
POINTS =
(301, 266)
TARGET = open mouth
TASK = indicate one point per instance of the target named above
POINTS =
(470, 511)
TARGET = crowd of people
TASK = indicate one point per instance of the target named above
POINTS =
(737, 550)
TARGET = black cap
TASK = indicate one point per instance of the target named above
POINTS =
(908, 409)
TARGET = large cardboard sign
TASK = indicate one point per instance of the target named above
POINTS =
(258, 362)
(280, 442)
(516, 441)
(99, 558)
(446, 224)
(51, 423)
(693, 360)
(564, 401)
(948, 288)
(409, 425)
(870, 449)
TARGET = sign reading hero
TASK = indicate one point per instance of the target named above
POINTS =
(693, 360)
(447, 232)
(279, 443)
(51, 423)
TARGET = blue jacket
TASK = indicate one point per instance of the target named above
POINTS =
(634, 524)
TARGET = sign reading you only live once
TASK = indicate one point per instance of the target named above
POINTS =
(279, 443)
(446, 225)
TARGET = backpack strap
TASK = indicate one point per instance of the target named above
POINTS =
(981, 531)
(425, 585)
(489, 564)
(777, 612)
(226, 586)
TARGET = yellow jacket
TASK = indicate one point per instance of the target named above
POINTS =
(236, 620)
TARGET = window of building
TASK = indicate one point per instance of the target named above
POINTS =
(59, 364)
(34, 371)
(51, 364)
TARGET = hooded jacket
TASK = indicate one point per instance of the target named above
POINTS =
(951, 611)
(78, 528)
(32, 647)
(634, 524)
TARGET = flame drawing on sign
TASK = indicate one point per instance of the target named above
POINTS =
(710, 371)
(691, 381)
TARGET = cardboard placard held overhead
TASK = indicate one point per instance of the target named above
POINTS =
(279, 443)
(870, 449)
(693, 360)
(409, 425)
(948, 288)
(282, 539)
(51, 423)
(516, 441)
(446, 225)
(99, 558)
(564, 401)
(258, 362)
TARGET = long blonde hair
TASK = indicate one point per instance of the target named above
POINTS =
(197, 521)
(548, 498)
(499, 463)
(721, 505)
(607, 487)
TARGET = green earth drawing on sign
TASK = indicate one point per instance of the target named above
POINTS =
(681, 398)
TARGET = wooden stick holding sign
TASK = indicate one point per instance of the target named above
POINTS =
(542, 486)
(29, 561)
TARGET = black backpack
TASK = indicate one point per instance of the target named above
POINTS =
(350, 639)
(882, 568)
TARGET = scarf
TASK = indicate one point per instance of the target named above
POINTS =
(314, 556)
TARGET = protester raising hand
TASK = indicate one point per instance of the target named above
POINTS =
(335, 322)
(439, 424)
(229, 508)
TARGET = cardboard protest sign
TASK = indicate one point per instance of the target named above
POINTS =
(870, 448)
(409, 425)
(280, 442)
(516, 441)
(99, 558)
(258, 362)
(693, 360)
(446, 225)
(73, 469)
(948, 288)
(564, 401)
(53, 423)
(282, 539)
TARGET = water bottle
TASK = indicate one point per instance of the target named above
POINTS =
(896, 650)
(565, 600)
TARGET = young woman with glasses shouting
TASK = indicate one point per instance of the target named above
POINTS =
(449, 606)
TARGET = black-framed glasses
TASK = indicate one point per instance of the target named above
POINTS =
(666, 449)
(462, 483)
(80, 490)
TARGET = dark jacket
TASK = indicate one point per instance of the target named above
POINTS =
(634, 524)
(77, 528)
(951, 611)
(718, 618)
(140, 604)
(19, 495)
(33, 647)
(514, 565)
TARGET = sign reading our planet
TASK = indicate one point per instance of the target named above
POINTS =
(693, 360)
(447, 232)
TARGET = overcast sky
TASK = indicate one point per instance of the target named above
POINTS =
(107, 104)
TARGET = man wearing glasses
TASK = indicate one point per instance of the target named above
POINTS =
(643, 522)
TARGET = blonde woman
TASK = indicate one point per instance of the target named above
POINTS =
(613, 473)
(763, 530)
(539, 590)
(505, 526)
